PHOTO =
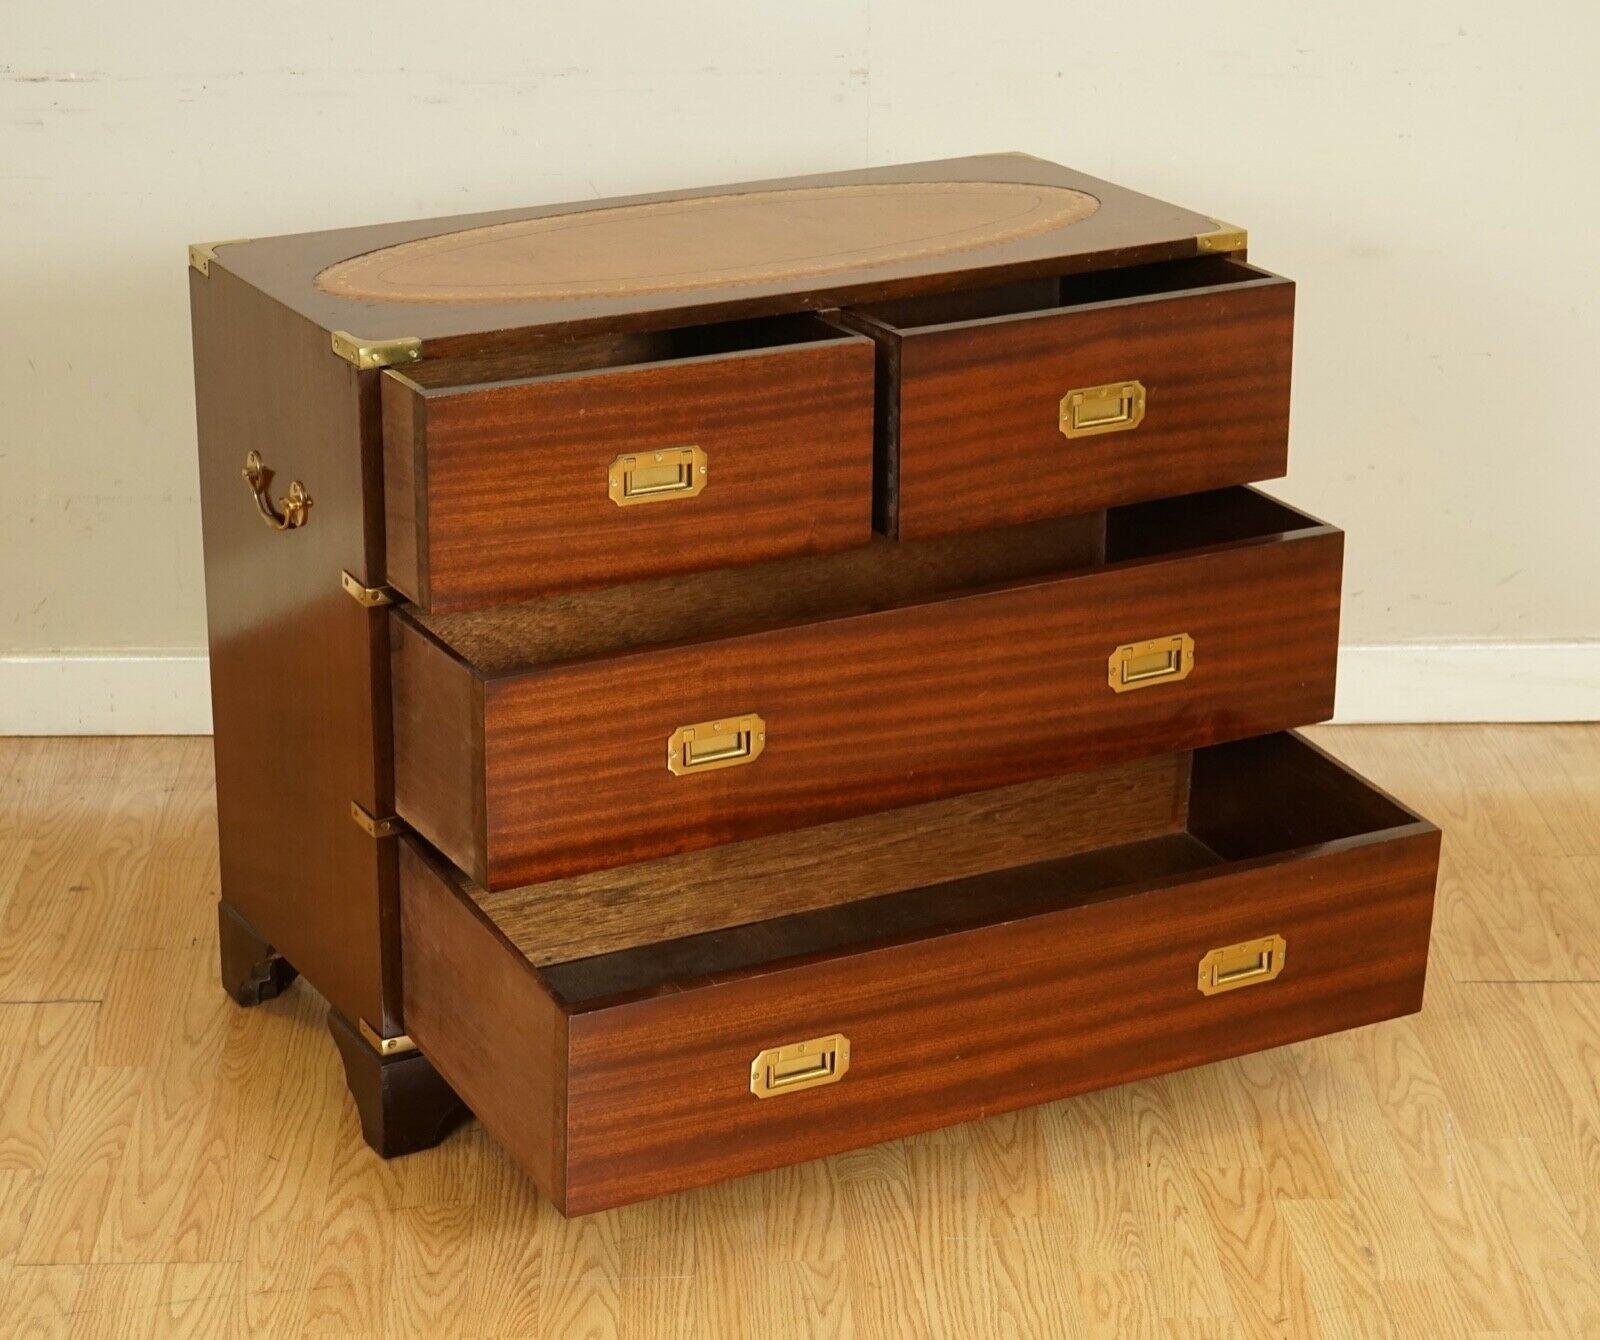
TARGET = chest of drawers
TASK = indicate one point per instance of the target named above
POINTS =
(714, 679)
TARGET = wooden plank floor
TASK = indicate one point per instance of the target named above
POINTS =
(173, 1165)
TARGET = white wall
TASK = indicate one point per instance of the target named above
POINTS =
(1425, 171)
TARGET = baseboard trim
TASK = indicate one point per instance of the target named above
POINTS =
(106, 693)
(1469, 681)
(169, 693)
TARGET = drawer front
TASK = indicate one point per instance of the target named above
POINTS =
(867, 713)
(1179, 393)
(501, 492)
(955, 1028)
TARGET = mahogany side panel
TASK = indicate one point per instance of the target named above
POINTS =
(952, 1028)
(978, 440)
(476, 1011)
(901, 706)
(299, 671)
(516, 474)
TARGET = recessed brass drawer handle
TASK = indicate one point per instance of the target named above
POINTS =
(1142, 665)
(1244, 964)
(1112, 408)
(657, 476)
(296, 502)
(709, 745)
(801, 1065)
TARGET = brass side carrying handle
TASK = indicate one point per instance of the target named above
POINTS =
(1248, 963)
(296, 502)
(657, 476)
(800, 1065)
(1113, 408)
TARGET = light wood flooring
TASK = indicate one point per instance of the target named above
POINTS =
(171, 1164)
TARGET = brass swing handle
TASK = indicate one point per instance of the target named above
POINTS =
(296, 502)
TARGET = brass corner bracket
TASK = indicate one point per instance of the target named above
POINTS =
(201, 254)
(368, 597)
(367, 354)
(389, 826)
(1223, 238)
(395, 1046)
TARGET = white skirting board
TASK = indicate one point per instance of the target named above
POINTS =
(1469, 681)
(168, 693)
(106, 693)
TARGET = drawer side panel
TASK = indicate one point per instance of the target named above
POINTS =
(404, 468)
(477, 1013)
(438, 754)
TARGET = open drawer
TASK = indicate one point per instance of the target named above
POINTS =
(578, 463)
(1069, 393)
(606, 727)
(626, 1036)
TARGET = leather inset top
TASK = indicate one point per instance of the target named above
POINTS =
(706, 241)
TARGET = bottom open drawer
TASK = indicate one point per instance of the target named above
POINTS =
(799, 997)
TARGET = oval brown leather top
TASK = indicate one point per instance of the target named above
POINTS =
(706, 241)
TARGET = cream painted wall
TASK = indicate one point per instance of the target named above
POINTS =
(1425, 171)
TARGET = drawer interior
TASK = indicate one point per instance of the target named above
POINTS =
(978, 860)
(1061, 292)
(882, 575)
(1043, 965)
(631, 349)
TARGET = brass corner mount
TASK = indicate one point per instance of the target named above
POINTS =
(396, 1045)
(368, 354)
(377, 826)
(1223, 239)
(201, 254)
(368, 597)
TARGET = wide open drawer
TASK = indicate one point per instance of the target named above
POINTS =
(607, 727)
(608, 460)
(1066, 394)
(1266, 897)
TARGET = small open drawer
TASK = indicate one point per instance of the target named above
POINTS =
(578, 463)
(1262, 896)
(605, 727)
(1069, 393)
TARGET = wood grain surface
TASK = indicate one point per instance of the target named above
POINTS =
(438, 712)
(498, 1021)
(810, 868)
(659, 1100)
(299, 671)
(171, 1164)
(1051, 982)
(885, 709)
(499, 492)
(974, 439)
(578, 625)
(1126, 229)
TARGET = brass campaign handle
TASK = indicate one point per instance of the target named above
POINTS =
(296, 502)
(708, 745)
(1087, 411)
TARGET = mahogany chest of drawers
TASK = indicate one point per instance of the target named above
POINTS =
(709, 680)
